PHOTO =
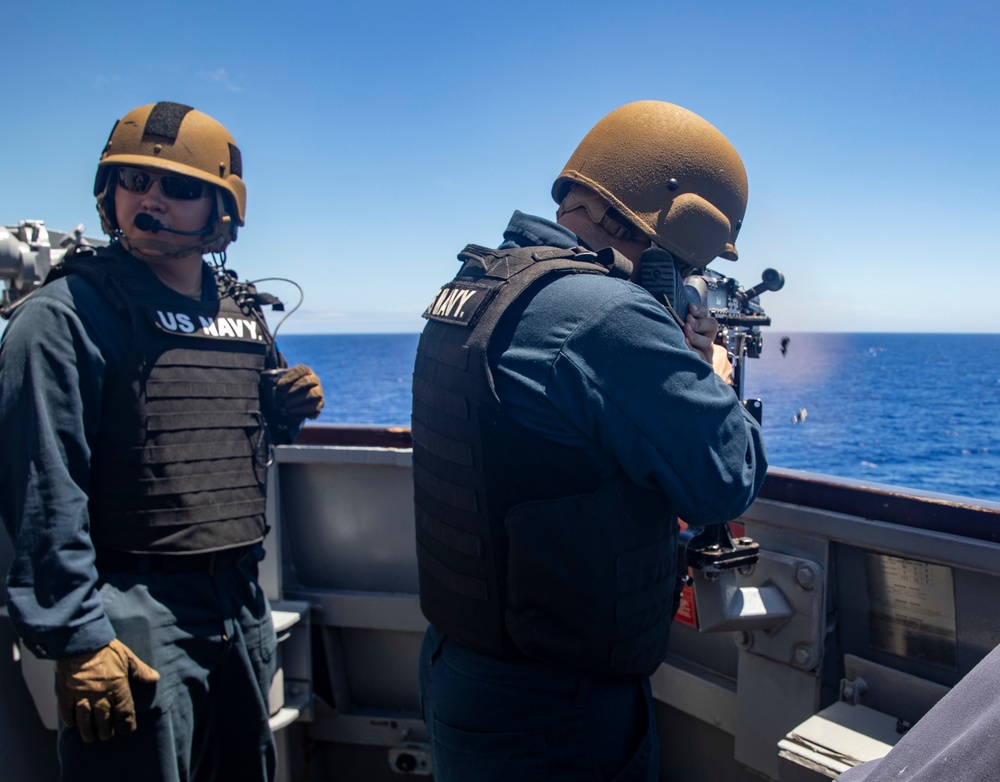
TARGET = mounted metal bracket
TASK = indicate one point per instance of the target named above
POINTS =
(775, 606)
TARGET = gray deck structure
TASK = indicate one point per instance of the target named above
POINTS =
(867, 604)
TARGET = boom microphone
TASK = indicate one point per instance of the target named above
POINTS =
(146, 222)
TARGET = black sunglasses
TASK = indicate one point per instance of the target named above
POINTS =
(179, 188)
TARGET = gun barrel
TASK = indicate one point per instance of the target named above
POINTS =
(727, 318)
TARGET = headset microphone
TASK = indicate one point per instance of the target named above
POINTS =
(146, 222)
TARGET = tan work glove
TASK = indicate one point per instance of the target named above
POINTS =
(94, 694)
(299, 393)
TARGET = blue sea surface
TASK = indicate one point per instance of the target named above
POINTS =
(914, 410)
(920, 411)
(366, 378)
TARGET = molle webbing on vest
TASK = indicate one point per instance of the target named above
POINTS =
(196, 417)
(180, 462)
(592, 579)
(465, 447)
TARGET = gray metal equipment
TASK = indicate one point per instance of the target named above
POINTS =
(28, 251)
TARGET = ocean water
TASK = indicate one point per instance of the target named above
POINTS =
(920, 411)
(366, 377)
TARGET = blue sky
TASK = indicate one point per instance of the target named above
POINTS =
(379, 138)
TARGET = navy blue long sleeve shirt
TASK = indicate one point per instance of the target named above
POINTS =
(597, 363)
(53, 361)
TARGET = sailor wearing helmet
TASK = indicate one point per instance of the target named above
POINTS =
(562, 420)
(131, 386)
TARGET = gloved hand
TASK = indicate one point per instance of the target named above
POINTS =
(299, 393)
(94, 694)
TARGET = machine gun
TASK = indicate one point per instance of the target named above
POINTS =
(738, 311)
(712, 552)
(28, 251)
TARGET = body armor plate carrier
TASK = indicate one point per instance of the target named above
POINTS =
(179, 464)
(524, 548)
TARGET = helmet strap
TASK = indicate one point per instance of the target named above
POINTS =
(222, 229)
(597, 208)
(138, 247)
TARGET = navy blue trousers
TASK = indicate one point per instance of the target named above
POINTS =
(492, 719)
(213, 643)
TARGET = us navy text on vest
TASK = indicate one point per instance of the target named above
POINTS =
(219, 326)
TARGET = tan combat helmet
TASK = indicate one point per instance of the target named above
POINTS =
(176, 138)
(670, 173)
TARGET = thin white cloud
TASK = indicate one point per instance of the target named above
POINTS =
(100, 80)
(220, 76)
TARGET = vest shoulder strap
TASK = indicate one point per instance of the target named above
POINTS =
(489, 273)
(504, 264)
(100, 270)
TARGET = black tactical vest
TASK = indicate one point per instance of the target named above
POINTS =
(179, 464)
(523, 547)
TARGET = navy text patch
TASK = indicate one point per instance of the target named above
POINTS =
(456, 303)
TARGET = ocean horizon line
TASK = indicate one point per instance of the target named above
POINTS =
(892, 407)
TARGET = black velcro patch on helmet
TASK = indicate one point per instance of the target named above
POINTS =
(165, 120)
(235, 161)
(111, 135)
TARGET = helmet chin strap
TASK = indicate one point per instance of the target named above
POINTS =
(163, 250)
(213, 237)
